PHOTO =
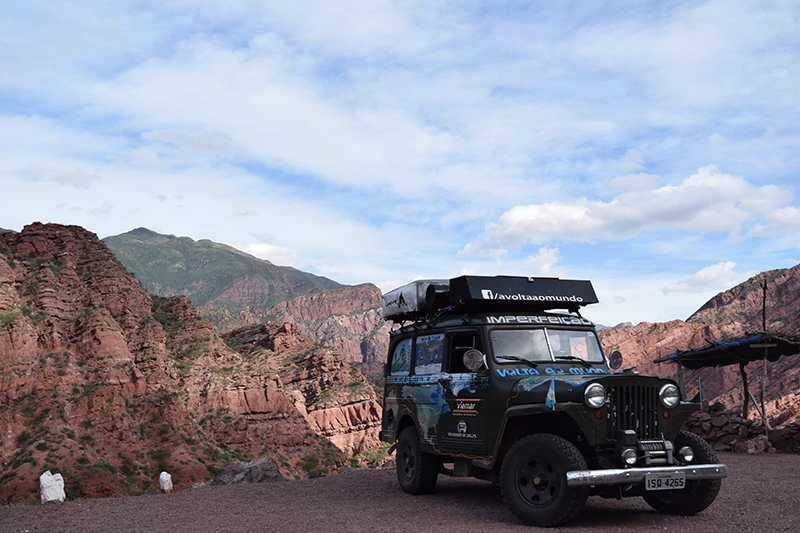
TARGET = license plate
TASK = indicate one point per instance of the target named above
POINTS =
(665, 481)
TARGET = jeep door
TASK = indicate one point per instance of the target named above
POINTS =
(463, 427)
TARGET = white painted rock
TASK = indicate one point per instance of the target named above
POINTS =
(166, 482)
(51, 487)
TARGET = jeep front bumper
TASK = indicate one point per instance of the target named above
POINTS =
(617, 476)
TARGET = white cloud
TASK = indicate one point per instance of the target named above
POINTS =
(708, 201)
(717, 140)
(542, 262)
(631, 161)
(700, 54)
(195, 140)
(68, 176)
(278, 255)
(719, 277)
(373, 140)
(635, 182)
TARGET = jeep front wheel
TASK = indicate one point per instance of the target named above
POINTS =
(698, 494)
(416, 471)
(533, 480)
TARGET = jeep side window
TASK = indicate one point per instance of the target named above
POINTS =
(529, 344)
(458, 344)
(428, 354)
(401, 358)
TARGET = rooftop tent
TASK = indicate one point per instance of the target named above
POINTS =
(418, 299)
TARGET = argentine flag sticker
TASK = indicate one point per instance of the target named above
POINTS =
(550, 400)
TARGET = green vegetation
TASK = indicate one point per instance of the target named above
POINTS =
(23, 439)
(162, 312)
(353, 388)
(185, 354)
(161, 458)
(310, 463)
(372, 457)
(7, 318)
(204, 270)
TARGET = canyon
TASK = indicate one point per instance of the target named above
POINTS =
(109, 384)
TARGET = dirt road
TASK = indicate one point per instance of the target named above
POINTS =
(761, 494)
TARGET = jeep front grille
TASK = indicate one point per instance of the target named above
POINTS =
(633, 407)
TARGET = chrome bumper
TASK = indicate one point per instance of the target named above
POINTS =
(578, 478)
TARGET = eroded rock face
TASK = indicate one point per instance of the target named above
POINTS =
(108, 387)
(336, 399)
(349, 320)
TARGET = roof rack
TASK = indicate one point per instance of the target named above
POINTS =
(423, 298)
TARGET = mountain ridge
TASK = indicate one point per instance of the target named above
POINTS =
(168, 265)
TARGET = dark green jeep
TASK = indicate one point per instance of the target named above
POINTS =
(483, 379)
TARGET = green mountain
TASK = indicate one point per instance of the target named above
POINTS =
(219, 279)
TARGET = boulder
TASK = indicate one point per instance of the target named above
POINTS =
(721, 447)
(753, 446)
(261, 470)
(51, 487)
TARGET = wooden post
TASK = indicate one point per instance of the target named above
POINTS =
(764, 393)
(746, 390)
(766, 346)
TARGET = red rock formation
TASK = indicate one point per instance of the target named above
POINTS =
(348, 320)
(338, 402)
(99, 382)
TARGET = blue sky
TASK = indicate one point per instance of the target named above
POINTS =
(652, 147)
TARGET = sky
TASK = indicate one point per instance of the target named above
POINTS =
(651, 147)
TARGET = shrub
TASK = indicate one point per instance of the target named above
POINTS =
(23, 438)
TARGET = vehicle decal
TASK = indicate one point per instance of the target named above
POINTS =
(550, 371)
(467, 406)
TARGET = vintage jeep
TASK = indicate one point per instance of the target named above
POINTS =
(484, 380)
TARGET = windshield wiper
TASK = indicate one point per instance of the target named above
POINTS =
(573, 358)
(518, 358)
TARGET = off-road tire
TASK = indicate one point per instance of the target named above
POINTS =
(533, 480)
(698, 494)
(416, 471)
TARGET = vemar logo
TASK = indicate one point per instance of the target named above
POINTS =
(488, 294)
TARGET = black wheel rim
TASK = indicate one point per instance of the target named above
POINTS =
(407, 462)
(537, 481)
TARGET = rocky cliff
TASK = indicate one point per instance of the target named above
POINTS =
(729, 315)
(349, 320)
(104, 384)
(336, 399)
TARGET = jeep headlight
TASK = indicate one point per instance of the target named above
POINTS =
(669, 395)
(595, 395)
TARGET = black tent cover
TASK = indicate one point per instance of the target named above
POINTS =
(735, 352)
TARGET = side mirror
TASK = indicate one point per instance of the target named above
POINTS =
(615, 360)
(474, 360)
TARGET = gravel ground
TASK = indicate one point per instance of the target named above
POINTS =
(760, 494)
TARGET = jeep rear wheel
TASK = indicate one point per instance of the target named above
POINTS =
(698, 494)
(416, 471)
(533, 479)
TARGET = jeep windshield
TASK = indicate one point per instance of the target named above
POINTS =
(545, 344)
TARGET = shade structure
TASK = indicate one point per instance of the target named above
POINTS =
(740, 351)
(757, 347)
